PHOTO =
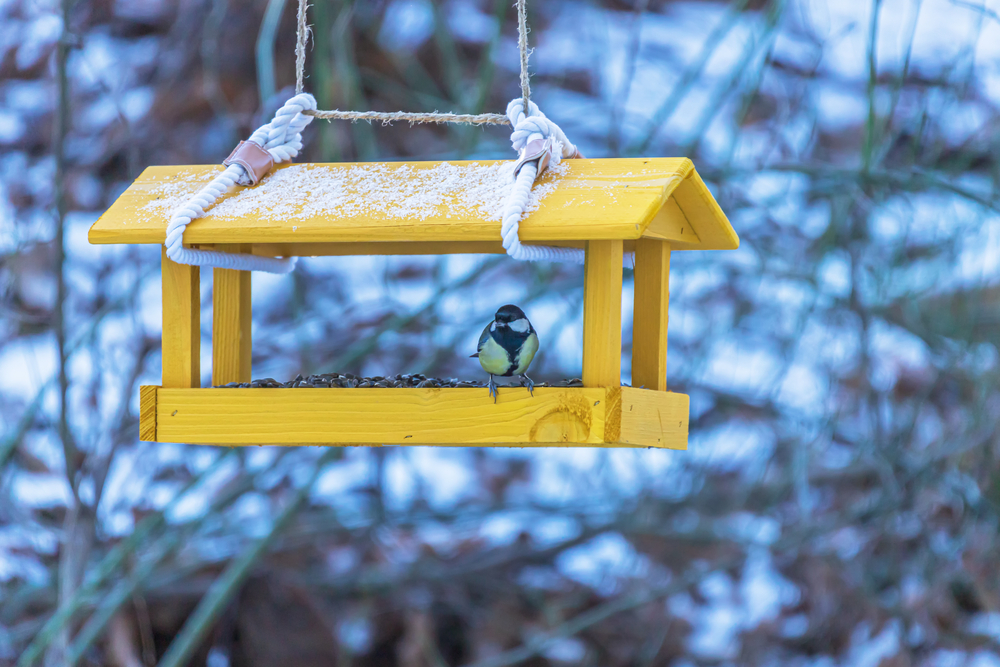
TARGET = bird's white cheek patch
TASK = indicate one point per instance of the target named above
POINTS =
(493, 327)
(520, 326)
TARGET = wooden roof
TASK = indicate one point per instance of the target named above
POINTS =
(428, 202)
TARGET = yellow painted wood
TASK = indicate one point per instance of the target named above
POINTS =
(382, 416)
(649, 318)
(613, 419)
(670, 224)
(700, 208)
(595, 200)
(147, 413)
(231, 322)
(389, 248)
(181, 338)
(396, 248)
(602, 314)
(653, 419)
(553, 417)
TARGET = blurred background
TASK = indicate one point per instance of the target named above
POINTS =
(838, 504)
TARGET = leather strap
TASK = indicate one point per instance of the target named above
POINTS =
(541, 150)
(253, 158)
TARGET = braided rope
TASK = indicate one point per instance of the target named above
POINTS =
(282, 138)
(528, 126)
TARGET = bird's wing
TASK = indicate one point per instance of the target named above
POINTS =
(482, 339)
(527, 353)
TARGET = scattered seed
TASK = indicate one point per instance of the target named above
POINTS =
(399, 381)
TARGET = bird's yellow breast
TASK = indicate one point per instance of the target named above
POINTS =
(493, 357)
(527, 354)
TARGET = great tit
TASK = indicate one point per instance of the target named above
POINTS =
(507, 346)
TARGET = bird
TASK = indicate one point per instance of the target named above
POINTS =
(507, 346)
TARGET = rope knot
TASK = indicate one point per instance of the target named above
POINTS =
(280, 140)
(536, 138)
(282, 137)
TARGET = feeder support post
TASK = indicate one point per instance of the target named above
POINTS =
(649, 318)
(231, 341)
(602, 314)
(181, 338)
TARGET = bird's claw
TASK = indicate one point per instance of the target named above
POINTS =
(527, 381)
(493, 389)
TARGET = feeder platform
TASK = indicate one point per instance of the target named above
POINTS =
(607, 207)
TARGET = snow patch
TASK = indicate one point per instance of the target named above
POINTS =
(307, 191)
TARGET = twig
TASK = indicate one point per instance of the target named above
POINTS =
(228, 583)
(868, 145)
(617, 111)
(592, 617)
(62, 130)
(266, 38)
(79, 524)
(690, 75)
(109, 565)
(10, 444)
(982, 9)
(126, 589)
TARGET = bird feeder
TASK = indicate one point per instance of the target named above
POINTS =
(607, 207)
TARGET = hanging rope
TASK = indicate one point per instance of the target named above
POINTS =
(522, 46)
(301, 36)
(282, 140)
(531, 126)
(538, 140)
(386, 117)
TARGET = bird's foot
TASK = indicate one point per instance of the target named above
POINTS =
(528, 382)
(493, 389)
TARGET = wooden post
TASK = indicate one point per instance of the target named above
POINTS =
(602, 314)
(231, 343)
(649, 318)
(181, 338)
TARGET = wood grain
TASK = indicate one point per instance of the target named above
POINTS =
(602, 314)
(382, 416)
(231, 323)
(147, 413)
(597, 199)
(388, 248)
(706, 217)
(670, 224)
(654, 419)
(649, 316)
(181, 338)
(553, 417)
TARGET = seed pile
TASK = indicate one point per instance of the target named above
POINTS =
(351, 381)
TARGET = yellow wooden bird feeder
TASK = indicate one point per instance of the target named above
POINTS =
(606, 206)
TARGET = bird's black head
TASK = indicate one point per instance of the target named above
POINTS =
(508, 314)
